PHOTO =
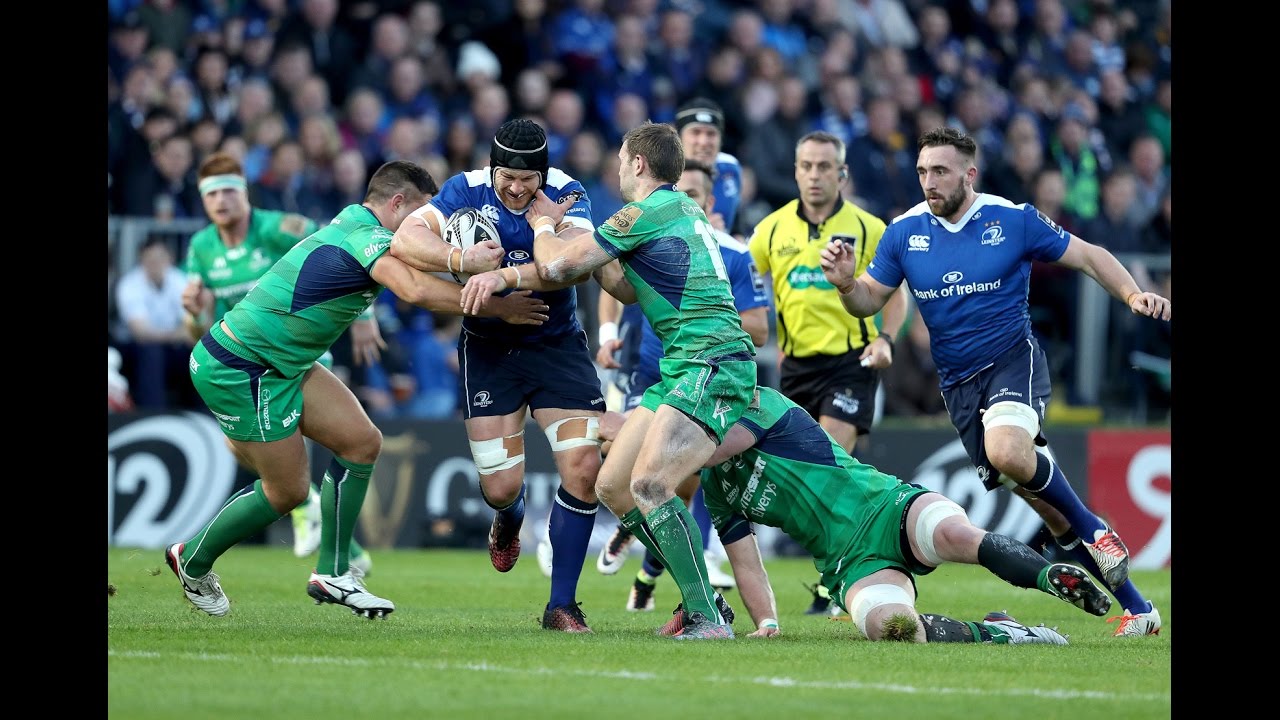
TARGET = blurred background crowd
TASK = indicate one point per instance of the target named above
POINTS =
(1069, 101)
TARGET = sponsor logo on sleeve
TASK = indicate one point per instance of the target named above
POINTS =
(1052, 225)
(622, 220)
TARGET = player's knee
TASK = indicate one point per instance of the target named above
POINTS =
(497, 454)
(650, 490)
(1008, 450)
(369, 446)
(879, 610)
(938, 533)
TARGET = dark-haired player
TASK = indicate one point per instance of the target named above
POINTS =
(967, 259)
(508, 371)
(256, 371)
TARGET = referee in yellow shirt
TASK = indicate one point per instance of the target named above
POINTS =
(831, 360)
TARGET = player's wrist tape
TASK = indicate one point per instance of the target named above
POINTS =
(516, 285)
(448, 261)
(547, 229)
(608, 331)
(769, 623)
(1132, 295)
(462, 259)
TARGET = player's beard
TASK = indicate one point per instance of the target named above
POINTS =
(951, 204)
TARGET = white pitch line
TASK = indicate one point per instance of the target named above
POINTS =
(778, 682)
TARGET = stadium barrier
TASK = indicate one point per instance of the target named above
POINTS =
(168, 472)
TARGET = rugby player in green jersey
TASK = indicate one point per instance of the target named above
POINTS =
(869, 533)
(256, 370)
(669, 262)
(225, 259)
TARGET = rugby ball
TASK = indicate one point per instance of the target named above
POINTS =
(465, 228)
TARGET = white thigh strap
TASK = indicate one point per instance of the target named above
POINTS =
(580, 431)
(927, 522)
(873, 596)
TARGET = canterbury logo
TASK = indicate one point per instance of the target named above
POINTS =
(918, 243)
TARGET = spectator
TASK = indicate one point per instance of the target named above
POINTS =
(883, 164)
(1120, 117)
(166, 189)
(330, 47)
(842, 113)
(533, 91)
(256, 99)
(364, 123)
(1080, 160)
(279, 186)
(881, 22)
(680, 56)
(391, 41)
(1146, 157)
(565, 115)
(524, 40)
(254, 57)
(211, 67)
(1046, 47)
(581, 36)
(770, 146)
(153, 339)
(167, 23)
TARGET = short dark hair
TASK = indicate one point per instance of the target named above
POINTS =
(704, 168)
(942, 136)
(399, 176)
(660, 145)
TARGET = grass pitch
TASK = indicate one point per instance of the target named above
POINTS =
(465, 642)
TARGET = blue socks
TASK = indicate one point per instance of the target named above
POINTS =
(569, 530)
(1051, 485)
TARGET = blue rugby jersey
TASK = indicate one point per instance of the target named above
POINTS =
(475, 189)
(969, 279)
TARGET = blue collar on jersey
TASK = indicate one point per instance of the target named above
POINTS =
(668, 186)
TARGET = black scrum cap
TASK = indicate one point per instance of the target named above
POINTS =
(520, 145)
(700, 110)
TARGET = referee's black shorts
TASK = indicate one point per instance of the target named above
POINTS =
(836, 386)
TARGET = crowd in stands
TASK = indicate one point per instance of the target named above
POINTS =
(1069, 100)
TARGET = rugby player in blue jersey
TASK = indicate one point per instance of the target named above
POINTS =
(967, 259)
(507, 369)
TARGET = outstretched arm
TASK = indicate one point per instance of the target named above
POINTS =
(753, 584)
(861, 296)
(1098, 263)
(563, 255)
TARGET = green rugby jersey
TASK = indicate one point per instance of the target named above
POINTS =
(796, 478)
(669, 252)
(231, 272)
(313, 294)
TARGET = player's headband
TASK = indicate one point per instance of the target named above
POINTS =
(222, 182)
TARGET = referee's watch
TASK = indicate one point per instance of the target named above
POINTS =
(887, 338)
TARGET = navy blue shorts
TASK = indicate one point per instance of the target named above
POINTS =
(499, 378)
(1021, 375)
(633, 386)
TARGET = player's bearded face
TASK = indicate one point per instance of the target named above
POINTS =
(516, 188)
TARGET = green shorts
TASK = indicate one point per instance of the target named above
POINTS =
(881, 544)
(714, 389)
(249, 398)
